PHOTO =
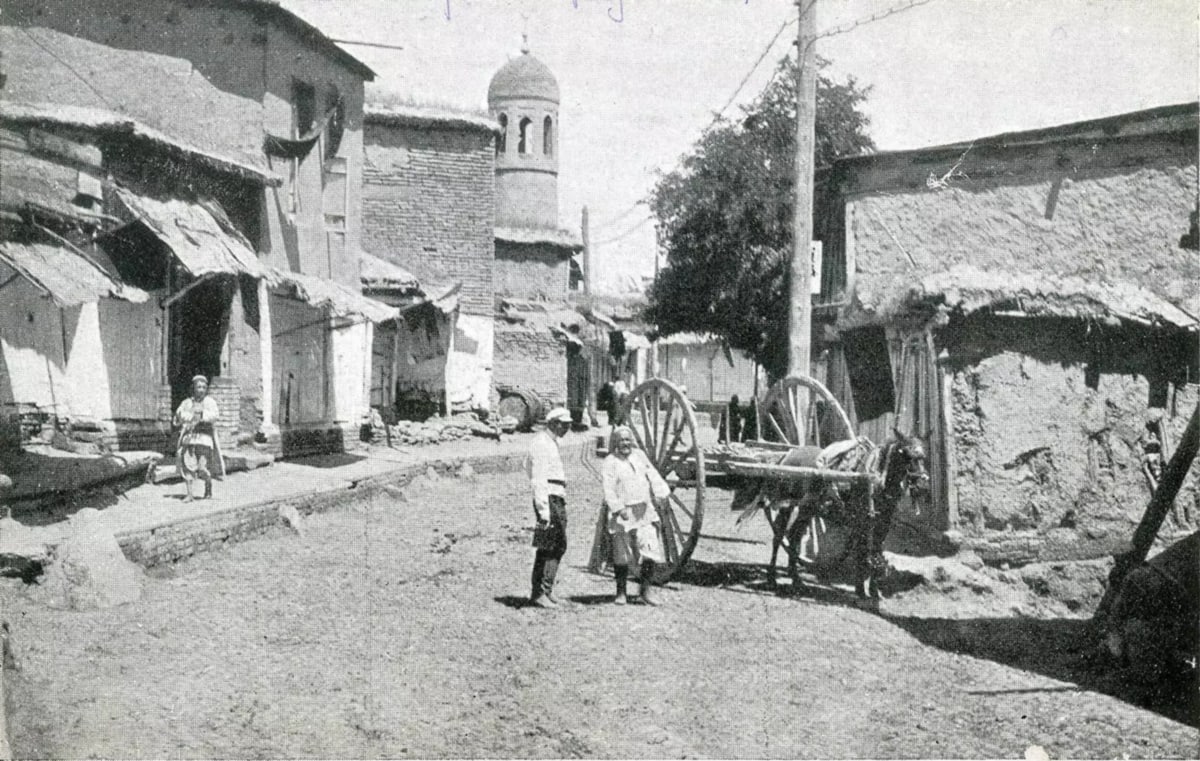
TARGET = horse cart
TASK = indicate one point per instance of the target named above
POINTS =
(806, 466)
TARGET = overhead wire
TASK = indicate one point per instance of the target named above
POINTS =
(624, 234)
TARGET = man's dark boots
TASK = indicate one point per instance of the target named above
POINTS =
(647, 583)
(622, 574)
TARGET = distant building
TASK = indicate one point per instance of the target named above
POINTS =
(1026, 303)
(533, 255)
(210, 157)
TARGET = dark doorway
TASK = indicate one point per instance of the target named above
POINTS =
(199, 322)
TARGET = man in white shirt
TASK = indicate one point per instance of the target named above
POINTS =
(548, 481)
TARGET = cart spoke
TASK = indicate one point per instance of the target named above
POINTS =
(682, 507)
(681, 536)
(666, 424)
(775, 424)
(637, 436)
(670, 448)
(650, 442)
(676, 539)
(669, 538)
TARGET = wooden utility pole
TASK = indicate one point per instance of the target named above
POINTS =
(587, 254)
(800, 310)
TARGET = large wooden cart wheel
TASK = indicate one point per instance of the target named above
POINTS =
(799, 411)
(664, 426)
(822, 420)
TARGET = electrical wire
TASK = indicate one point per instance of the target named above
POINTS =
(842, 29)
(746, 78)
(617, 218)
(625, 234)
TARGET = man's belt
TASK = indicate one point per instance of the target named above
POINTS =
(556, 482)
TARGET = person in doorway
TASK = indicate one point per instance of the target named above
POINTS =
(548, 481)
(197, 452)
(632, 491)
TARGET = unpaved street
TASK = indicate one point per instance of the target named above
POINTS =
(394, 628)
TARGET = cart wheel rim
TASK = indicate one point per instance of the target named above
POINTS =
(664, 427)
(782, 419)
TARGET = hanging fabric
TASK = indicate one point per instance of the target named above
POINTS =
(298, 147)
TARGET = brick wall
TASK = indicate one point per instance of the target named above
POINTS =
(535, 360)
(429, 205)
(228, 396)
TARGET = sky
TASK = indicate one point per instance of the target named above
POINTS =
(641, 79)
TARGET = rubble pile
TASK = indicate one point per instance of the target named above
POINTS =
(435, 430)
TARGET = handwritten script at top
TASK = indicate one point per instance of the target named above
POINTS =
(615, 11)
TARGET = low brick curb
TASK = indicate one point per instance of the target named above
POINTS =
(174, 540)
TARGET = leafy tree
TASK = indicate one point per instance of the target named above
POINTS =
(725, 215)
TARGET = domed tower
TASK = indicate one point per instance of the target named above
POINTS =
(523, 98)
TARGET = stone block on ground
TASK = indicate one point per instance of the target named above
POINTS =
(291, 518)
(88, 570)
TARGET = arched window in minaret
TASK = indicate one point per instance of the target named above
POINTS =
(502, 140)
(525, 141)
(548, 136)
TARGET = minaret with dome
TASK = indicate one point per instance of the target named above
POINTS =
(523, 98)
(533, 255)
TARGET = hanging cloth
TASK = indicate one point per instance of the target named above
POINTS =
(298, 147)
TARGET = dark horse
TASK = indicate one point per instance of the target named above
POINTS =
(898, 466)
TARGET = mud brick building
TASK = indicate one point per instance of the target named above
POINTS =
(468, 204)
(429, 207)
(210, 159)
(1027, 304)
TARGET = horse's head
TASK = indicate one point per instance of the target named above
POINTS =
(910, 456)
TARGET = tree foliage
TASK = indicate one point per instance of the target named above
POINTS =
(725, 215)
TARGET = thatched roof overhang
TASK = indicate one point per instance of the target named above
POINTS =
(340, 300)
(199, 234)
(428, 118)
(967, 290)
(567, 241)
(378, 274)
(65, 276)
(109, 123)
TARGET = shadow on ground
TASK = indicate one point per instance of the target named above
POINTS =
(327, 460)
(1061, 650)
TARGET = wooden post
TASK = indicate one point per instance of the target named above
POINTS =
(800, 312)
(1161, 502)
(395, 369)
(452, 320)
(266, 359)
(587, 253)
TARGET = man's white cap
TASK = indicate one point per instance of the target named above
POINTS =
(558, 414)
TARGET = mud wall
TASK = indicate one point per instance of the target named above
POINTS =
(532, 359)
(1048, 438)
(531, 271)
(1114, 209)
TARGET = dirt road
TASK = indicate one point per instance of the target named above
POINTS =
(393, 628)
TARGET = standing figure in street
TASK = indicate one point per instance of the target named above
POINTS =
(620, 392)
(632, 491)
(549, 484)
(198, 451)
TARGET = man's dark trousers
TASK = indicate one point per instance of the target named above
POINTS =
(551, 544)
